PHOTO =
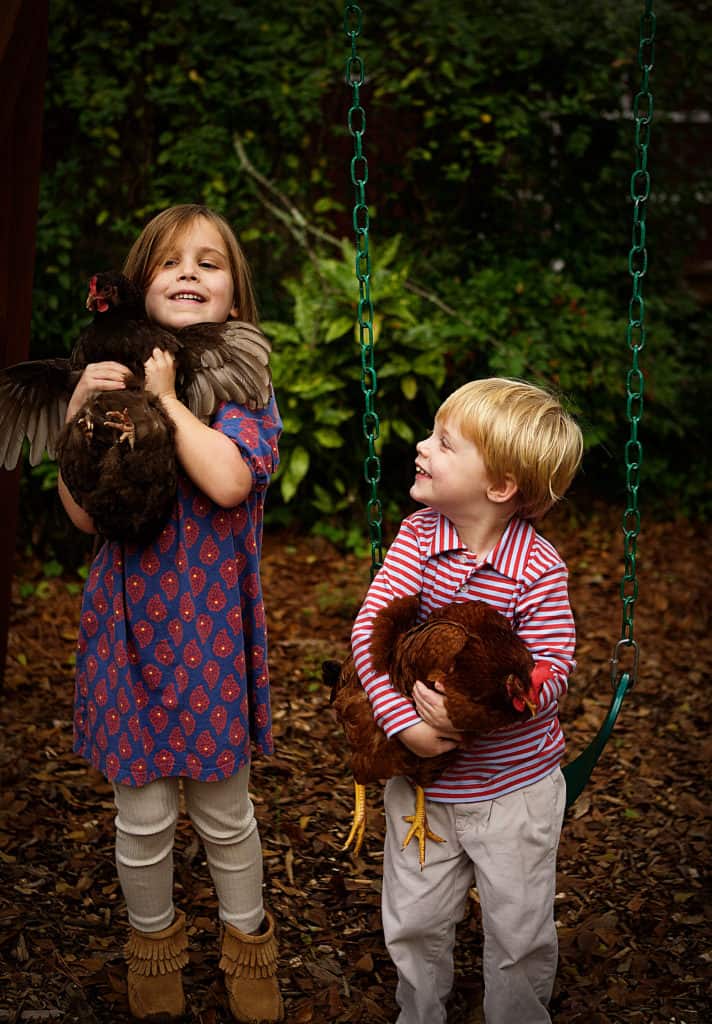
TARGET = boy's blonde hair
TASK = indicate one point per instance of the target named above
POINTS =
(521, 430)
(159, 235)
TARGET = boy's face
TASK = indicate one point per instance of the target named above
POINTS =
(193, 282)
(450, 475)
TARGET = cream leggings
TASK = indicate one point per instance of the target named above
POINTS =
(222, 815)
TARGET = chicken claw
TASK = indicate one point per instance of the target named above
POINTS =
(87, 425)
(122, 421)
(419, 826)
(358, 826)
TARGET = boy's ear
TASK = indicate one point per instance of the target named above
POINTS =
(234, 313)
(503, 491)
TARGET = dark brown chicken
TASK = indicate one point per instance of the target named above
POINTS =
(117, 456)
(486, 672)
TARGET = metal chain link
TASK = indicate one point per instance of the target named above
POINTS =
(369, 382)
(635, 337)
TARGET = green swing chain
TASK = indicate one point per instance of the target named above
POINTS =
(369, 383)
(635, 337)
(635, 333)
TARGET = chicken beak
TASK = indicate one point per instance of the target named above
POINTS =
(532, 706)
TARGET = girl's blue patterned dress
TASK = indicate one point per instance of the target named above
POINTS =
(172, 672)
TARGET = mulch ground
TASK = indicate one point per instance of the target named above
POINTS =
(631, 908)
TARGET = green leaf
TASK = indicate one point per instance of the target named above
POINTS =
(409, 387)
(294, 472)
(338, 327)
(328, 438)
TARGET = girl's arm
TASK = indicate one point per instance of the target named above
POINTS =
(81, 519)
(108, 376)
(209, 458)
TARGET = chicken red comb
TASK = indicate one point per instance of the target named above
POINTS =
(97, 303)
(540, 673)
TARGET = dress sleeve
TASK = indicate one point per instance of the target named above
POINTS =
(400, 576)
(256, 433)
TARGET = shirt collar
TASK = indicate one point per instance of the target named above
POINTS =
(509, 556)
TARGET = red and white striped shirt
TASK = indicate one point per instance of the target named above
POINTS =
(525, 579)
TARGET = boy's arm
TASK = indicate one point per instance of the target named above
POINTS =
(400, 576)
(545, 623)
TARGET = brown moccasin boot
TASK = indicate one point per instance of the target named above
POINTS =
(250, 965)
(155, 960)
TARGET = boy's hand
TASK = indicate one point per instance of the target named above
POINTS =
(161, 374)
(108, 376)
(425, 741)
(430, 705)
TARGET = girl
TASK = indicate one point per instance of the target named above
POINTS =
(172, 677)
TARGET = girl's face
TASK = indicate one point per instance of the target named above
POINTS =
(193, 283)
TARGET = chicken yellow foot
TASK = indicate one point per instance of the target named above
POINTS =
(419, 826)
(121, 421)
(358, 825)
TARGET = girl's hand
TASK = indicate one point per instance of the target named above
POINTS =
(161, 374)
(108, 376)
(430, 705)
(425, 741)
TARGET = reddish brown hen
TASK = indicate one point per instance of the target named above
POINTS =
(487, 674)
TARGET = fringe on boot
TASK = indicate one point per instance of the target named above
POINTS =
(155, 961)
(250, 966)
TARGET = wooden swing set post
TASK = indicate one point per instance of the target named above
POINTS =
(23, 66)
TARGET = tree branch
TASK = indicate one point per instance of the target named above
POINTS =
(298, 225)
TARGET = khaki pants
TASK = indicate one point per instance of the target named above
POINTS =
(507, 847)
(223, 816)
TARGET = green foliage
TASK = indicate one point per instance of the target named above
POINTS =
(516, 320)
(316, 372)
(499, 144)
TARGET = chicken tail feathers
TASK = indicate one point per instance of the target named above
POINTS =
(330, 674)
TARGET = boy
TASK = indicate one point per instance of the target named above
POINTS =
(502, 452)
